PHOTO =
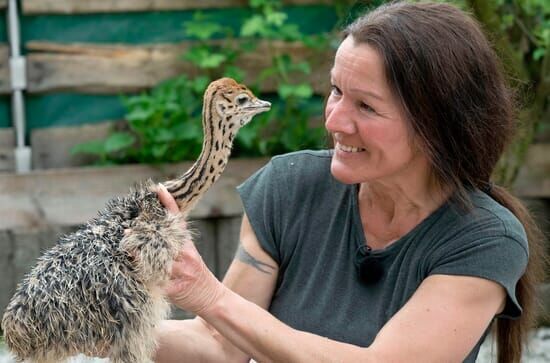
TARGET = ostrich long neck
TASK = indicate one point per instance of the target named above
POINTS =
(216, 147)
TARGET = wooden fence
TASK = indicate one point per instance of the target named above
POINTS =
(36, 208)
(123, 68)
(108, 69)
(78, 6)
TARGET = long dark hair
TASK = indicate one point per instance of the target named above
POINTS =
(452, 87)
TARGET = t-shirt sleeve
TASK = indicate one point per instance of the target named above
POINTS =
(260, 195)
(501, 259)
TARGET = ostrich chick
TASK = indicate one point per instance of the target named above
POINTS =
(99, 289)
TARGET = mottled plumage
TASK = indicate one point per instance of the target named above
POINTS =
(99, 289)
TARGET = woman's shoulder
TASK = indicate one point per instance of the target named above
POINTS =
(294, 176)
(303, 166)
(485, 219)
(303, 160)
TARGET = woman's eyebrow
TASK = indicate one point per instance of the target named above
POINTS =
(368, 93)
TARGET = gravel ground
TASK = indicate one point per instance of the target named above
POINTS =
(538, 352)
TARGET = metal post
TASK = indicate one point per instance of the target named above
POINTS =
(18, 84)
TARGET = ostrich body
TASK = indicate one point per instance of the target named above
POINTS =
(99, 289)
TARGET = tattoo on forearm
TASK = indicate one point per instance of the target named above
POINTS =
(243, 256)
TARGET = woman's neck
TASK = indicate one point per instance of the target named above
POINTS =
(389, 211)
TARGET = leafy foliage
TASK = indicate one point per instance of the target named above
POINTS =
(164, 124)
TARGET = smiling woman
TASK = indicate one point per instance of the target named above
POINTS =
(416, 93)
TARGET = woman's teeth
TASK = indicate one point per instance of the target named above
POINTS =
(349, 149)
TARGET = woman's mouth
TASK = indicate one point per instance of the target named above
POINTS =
(348, 148)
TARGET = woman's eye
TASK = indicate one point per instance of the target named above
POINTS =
(335, 91)
(365, 107)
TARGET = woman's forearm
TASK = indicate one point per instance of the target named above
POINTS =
(266, 339)
(193, 341)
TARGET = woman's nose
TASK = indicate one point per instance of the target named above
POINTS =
(338, 118)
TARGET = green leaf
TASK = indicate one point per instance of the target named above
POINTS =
(290, 32)
(253, 26)
(303, 90)
(139, 114)
(234, 72)
(204, 57)
(539, 53)
(290, 90)
(246, 136)
(159, 150)
(213, 60)
(188, 131)
(276, 18)
(256, 3)
(94, 147)
(200, 83)
(201, 27)
(118, 141)
(303, 67)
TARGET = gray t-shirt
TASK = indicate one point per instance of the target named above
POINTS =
(309, 223)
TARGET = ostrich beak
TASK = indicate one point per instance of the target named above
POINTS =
(258, 106)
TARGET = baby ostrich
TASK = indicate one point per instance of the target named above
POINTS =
(99, 289)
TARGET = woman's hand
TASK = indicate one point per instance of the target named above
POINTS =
(192, 286)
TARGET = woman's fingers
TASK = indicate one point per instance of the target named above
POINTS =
(166, 199)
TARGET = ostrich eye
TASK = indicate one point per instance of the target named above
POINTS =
(242, 99)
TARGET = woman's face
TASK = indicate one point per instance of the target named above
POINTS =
(372, 138)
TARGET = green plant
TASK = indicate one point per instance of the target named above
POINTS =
(520, 30)
(163, 126)
(288, 127)
(164, 123)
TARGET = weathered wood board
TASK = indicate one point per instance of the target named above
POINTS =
(7, 145)
(52, 146)
(102, 6)
(5, 81)
(227, 235)
(68, 197)
(111, 69)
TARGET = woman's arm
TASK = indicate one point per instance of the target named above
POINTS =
(252, 275)
(441, 323)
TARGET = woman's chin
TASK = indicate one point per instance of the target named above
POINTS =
(344, 174)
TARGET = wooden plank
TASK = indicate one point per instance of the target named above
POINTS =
(7, 281)
(7, 145)
(533, 180)
(123, 68)
(544, 296)
(102, 6)
(228, 232)
(5, 81)
(51, 147)
(69, 197)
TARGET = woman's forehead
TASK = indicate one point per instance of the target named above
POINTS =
(360, 58)
(360, 66)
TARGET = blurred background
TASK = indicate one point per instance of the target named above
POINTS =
(97, 95)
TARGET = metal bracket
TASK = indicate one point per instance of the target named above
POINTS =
(18, 73)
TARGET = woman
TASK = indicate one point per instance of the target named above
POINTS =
(394, 247)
